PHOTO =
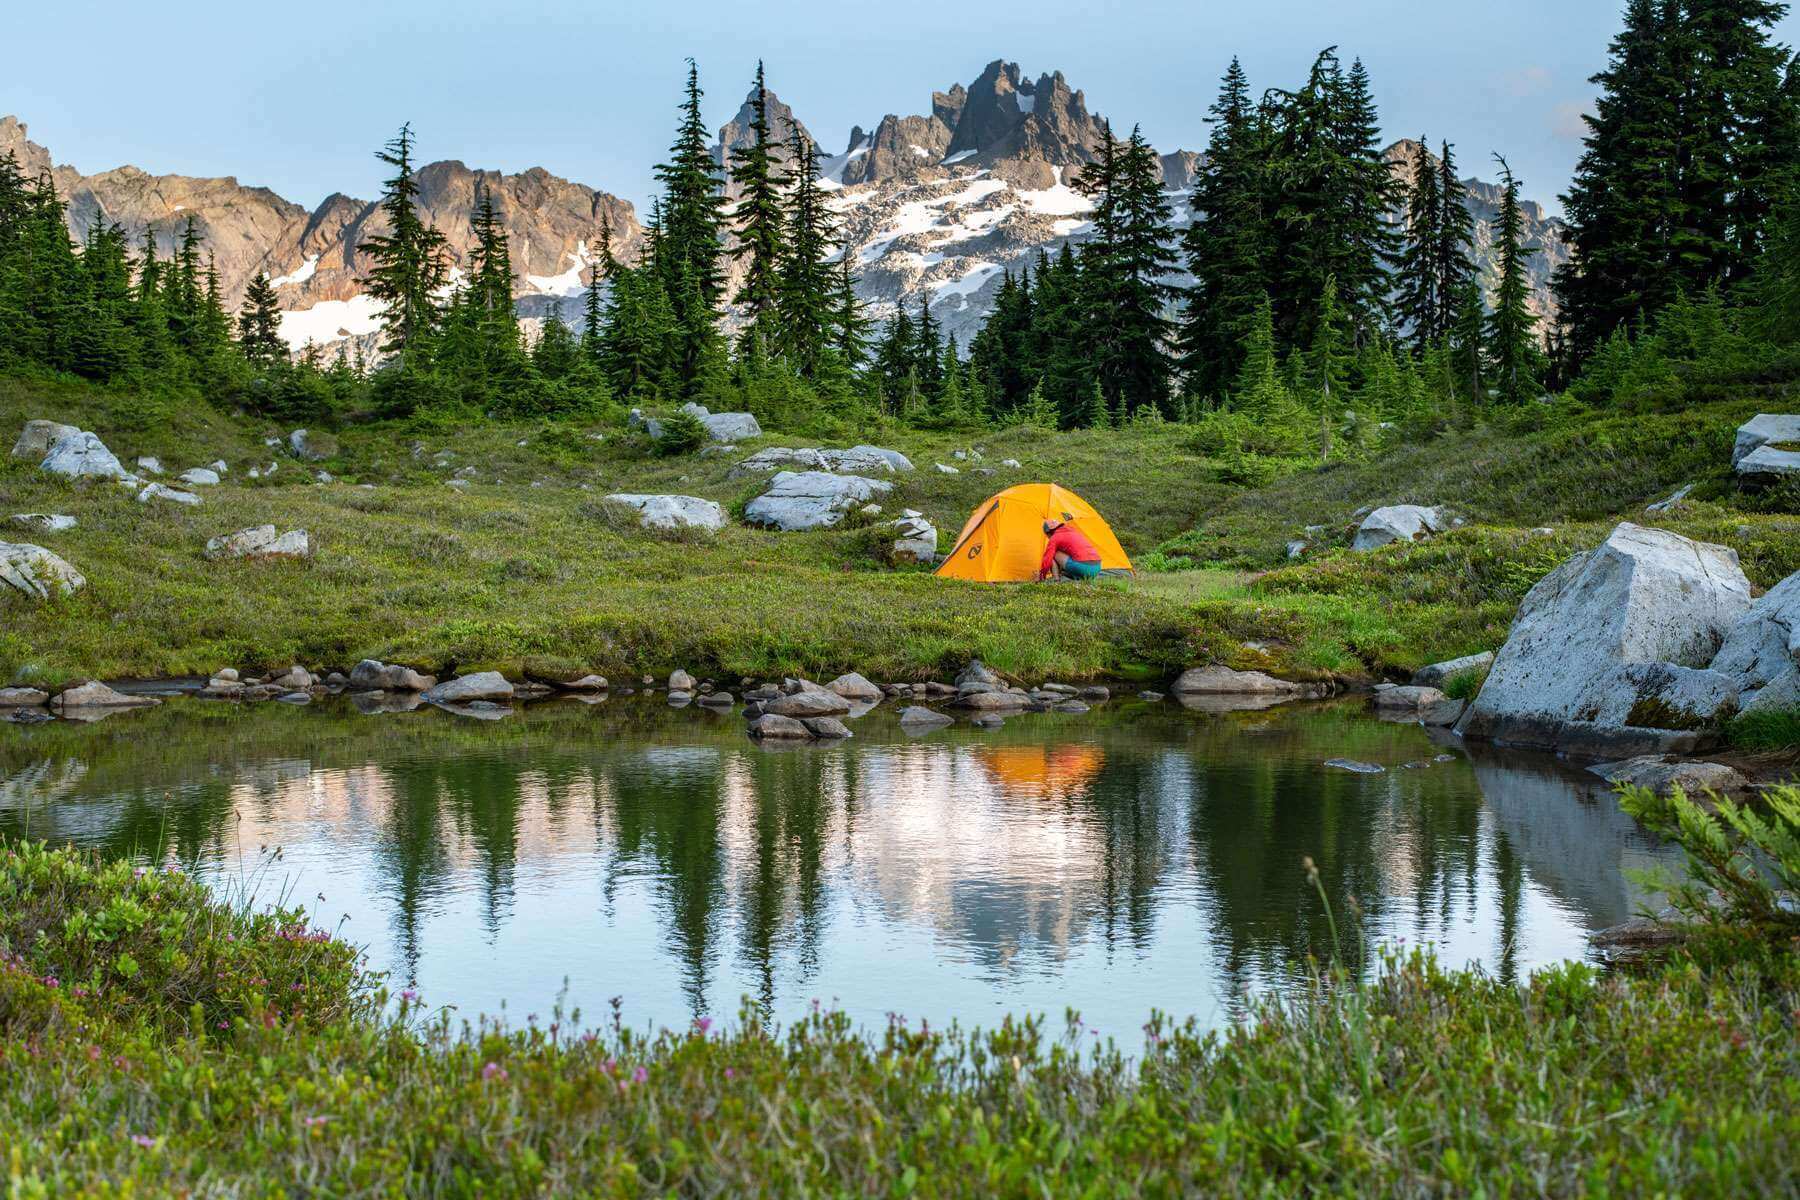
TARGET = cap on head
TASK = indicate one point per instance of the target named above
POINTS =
(1050, 526)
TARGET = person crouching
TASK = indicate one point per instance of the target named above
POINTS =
(1067, 553)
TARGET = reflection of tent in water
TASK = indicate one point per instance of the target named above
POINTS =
(1003, 541)
(1049, 772)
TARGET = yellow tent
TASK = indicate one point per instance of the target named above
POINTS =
(1003, 541)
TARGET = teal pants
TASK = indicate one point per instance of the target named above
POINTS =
(1081, 570)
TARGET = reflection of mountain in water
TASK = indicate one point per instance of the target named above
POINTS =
(1040, 849)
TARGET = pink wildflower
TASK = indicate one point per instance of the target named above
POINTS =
(639, 1075)
(493, 1070)
(144, 1140)
(703, 1025)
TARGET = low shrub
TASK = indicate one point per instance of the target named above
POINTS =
(1743, 860)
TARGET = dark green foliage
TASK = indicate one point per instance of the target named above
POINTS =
(259, 323)
(408, 259)
(1226, 245)
(759, 227)
(1515, 355)
(1696, 131)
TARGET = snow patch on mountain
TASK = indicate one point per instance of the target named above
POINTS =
(300, 274)
(331, 321)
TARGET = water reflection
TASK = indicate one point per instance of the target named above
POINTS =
(1135, 858)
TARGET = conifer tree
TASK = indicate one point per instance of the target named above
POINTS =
(759, 225)
(805, 288)
(683, 247)
(1456, 238)
(408, 258)
(1328, 360)
(896, 363)
(1468, 344)
(593, 297)
(928, 353)
(1696, 127)
(1514, 353)
(1125, 266)
(259, 324)
(849, 323)
(1227, 243)
(1420, 304)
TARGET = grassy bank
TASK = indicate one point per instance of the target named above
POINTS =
(156, 1041)
(526, 568)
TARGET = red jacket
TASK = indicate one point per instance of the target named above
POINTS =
(1070, 541)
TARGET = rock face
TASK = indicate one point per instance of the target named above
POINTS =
(1767, 447)
(483, 685)
(1761, 652)
(1609, 651)
(261, 542)
(43, 522)
(799, 500)
(1399, 523)
(673, 512)
(81, 454)
(37, 572)
(37, 437)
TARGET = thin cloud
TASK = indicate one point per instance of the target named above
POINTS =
(1527, 81)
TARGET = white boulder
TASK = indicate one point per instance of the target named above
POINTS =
(854, 687)
(858, 460)
(1609, 651)
(1767, 447)
(483, 685)
(673, 512)
(36, 439)
(260, 541)
(1399, 523)
(149, 464)
(917, 540)
(82, 454)
(1761, 651)
(43, 522)
(157, 491)
(799, 500)
(37, 572)
(199, 477)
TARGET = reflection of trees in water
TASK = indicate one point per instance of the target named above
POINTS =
(1041, 836)
(665, 816)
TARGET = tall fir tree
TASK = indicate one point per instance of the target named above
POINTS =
(1125, 267)
(759, 225)
(1227, 243)
(1695, 132)
(259, 324)
(1456, 242)
(850, 324)
(408, 258)
(1420, 304)
(685, 249)
(807, 282)
(1515, 355)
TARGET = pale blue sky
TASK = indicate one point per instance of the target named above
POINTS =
(296, 97)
